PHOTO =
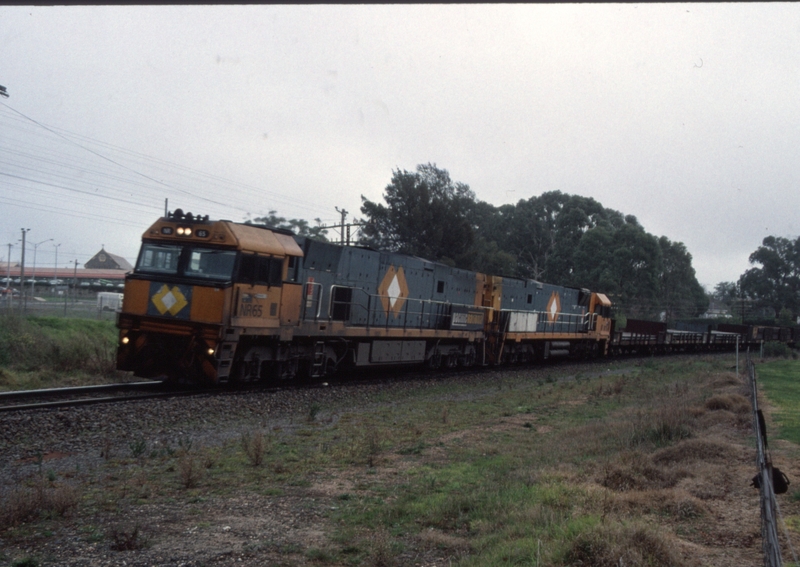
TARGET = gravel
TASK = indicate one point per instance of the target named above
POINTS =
(243, 529)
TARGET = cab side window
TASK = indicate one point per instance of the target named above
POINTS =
(260, 270)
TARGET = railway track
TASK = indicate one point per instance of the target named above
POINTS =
(24, 400)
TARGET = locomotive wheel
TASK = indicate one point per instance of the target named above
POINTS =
(467, 360)
(434, 361)
(330, 367)
(284, 370)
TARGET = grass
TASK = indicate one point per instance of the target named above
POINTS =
(485, 495)
(780, 380)
(40, 352)
(534, 471)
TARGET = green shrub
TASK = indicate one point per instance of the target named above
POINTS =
(55, 344)
(777, 350)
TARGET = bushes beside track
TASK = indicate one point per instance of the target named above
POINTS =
(45, 350)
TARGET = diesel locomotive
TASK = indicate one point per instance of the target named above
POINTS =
(211, 301)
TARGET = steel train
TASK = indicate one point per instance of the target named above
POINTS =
(215, 301)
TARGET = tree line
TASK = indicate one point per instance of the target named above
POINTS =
(562, 239)
(772, 285)
(558, 238)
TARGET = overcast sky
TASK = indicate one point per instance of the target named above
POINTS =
(684, 115)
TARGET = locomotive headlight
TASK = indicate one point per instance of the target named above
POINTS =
(187, 231)
(125, 340)
(211, 352)
(180, 231)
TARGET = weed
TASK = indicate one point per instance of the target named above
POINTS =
(318, 554)
(137, 447)
(629, 545)
(254, 445)
(416, 449)
(380, 546)
(105, 452)
(25, 562)
(190, 470)
(731, 402)
(127, 539)
(372, 446)
(313, 411)
(22, 504)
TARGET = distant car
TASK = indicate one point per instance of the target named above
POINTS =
(9, 292)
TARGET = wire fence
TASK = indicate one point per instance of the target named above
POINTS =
(766, 479)
(83, 308)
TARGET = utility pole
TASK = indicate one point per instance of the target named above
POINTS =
(33, 276)
(343, 212)
(344, 228)
(54, 282)
(75, 283)
(8, 270)
(741, 294)
(8, 294)
(22, 272)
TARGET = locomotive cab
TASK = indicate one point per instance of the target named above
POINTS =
(194, 282)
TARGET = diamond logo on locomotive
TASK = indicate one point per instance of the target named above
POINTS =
(393, 290)
(164, 299)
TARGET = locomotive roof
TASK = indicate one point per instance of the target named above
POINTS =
(250, 238)
(263, 239)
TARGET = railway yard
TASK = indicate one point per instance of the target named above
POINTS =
(646, 461)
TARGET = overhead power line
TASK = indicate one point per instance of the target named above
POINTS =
(181, 175)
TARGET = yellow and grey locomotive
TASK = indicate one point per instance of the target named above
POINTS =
(211, 301)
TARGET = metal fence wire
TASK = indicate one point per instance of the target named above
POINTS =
(764, 479)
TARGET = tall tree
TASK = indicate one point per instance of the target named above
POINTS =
(623, 262)
(776, 282)
(426, 214)
(298, 226)
(726, 292)
(680, 294)
(554, 237)
(543, 232)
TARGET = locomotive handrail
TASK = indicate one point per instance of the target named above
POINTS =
(435, 315)
(573, 321)
(306, 300)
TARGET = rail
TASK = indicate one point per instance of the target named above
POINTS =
(24, 400)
